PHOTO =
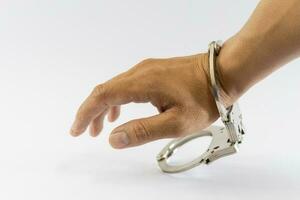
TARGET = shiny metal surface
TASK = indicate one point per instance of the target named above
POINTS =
(225, 139)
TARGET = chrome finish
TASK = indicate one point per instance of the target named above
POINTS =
(225, 140)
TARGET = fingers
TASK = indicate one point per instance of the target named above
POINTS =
(141, 131)
(88, 111)
(114, 113)
(112, 93)
(97, 124)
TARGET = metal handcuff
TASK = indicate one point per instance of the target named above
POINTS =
(225, 140)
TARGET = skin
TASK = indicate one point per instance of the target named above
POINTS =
(180, 87)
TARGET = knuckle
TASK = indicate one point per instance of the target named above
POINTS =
(79, 116)
(146, 62)
(82, 115)
(99, 91)
(141, 132)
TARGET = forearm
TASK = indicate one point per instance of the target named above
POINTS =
(269, 39)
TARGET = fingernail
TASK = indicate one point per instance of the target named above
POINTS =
(119, 139)
(74, 130)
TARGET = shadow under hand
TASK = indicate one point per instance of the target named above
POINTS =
(227, 175)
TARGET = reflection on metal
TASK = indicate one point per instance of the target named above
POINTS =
(225, 140)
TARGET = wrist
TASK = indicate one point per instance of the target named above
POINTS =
(232, 71)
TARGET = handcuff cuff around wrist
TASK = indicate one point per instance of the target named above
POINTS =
(225, 140)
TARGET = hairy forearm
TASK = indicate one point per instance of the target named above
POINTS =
(269, 39)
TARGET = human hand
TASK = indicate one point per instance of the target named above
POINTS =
(178, 87)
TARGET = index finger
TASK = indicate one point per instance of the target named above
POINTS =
(111, 93)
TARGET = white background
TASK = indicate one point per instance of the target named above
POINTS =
(52, 53)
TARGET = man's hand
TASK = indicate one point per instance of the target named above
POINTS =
(178, 87)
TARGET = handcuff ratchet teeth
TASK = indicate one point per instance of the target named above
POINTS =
(225, 140)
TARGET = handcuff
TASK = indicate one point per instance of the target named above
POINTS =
(225, 139)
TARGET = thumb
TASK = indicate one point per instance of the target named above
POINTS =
(141, 131)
